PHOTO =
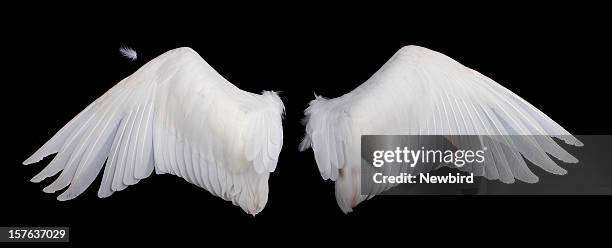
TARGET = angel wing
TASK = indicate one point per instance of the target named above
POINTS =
(174, 115)
(423, 92)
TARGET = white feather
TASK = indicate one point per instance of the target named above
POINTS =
(420, 91)
(174, 115)
(128, 53)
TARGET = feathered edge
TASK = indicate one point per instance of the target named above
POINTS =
(313, 106)
(274, 97)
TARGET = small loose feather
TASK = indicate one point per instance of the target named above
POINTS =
(128, 53)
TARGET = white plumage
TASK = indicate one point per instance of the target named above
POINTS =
(423, 92)
(174, 115)
(128, 53)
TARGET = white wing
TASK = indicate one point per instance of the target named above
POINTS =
(176, 115)
(423, 92)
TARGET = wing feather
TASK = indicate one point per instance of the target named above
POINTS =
(419, 91)
(174, 115)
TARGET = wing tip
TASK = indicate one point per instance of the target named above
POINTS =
(30, 161)
(104, 194)
(36, 179)
(49, 189)
(35, 158)
(570, 140)
(530, 179)
(67, 195)
(559, 171)
(577, 143)
(570, 159)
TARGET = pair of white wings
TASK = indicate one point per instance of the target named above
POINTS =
(423, 92)
(177, 115)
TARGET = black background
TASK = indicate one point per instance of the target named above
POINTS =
(61, 59)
